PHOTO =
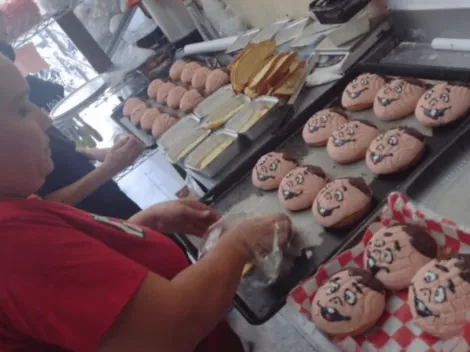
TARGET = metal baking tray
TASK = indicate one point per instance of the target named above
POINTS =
(183, 146)
(270, 31)
(259, 303)
(242, 41)
(291, 31)
(220, 158)
(444, 187)
(224, 112)
(178, 132)
(240, 122)
(213, 101)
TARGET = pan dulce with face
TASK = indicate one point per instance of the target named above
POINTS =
(349, 142)
(361, 92)
(342, 202)
(271, 169)
(299, 187)
(398, 99)
(439, 296)
(320, 126)
(394, 254)
(395, 150)
(349, 303)
(443, 104)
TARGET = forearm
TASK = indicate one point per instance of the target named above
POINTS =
(79, 190)
(208, 287)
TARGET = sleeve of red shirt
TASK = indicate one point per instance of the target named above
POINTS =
(60, 286)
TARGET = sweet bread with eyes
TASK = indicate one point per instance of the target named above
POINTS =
(271, 169)
(360, 93)
(321, 125)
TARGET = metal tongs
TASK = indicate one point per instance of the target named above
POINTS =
(281, 113)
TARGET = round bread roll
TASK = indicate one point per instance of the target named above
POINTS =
(439, 296)
(342, 202)
(349, 142)
(162, 123)
(361, 92)
(189, 71)
(299, 187)
(395, 150)
(271, 169)
(137, 114)
(442, 104)
(349, 303)
(153, 87)
(147, 119)
(398, 99)
(190, 100)
(199, 78)
(216, 80)
(174, 97)
(130, 104)
(163, 92)
(176, 69)
(394, 254)
(320, 126)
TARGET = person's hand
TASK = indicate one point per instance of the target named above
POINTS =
(180, 216)
(257, 233)
(123, 154)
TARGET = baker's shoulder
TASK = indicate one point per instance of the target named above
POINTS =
(22, 212)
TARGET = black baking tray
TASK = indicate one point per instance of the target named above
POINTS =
(336, 11)
(259, 304)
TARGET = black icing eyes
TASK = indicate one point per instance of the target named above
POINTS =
(428, 95)
(429, 276)
(324, 118)
(364, 82)
(439, 295)
(339, 196)
(300, 179)
(398, 89)
(445, 97)
(388, 256)
(350, 297)
(350, 131)
(393, 140)
(332, 288)
(273, 166)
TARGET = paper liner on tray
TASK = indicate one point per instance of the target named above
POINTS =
(395, 330)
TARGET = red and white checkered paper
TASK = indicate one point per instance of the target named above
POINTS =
(395, 330)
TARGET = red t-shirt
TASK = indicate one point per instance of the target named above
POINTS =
(65, 276)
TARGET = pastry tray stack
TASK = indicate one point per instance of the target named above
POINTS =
(314, 245)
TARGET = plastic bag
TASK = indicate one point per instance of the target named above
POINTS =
(268, 263)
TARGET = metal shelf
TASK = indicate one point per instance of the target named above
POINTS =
(46, 22)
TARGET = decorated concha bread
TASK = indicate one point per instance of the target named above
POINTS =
(398, 98)
(394, 254)
(321, 125)
(439, 296)
(442, 104)
(360, 93)
(271, 169)
(349, 303)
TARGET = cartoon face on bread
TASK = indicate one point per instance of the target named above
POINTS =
(398, 98)
(443, 104)
(361, 92)
(439, 296)
(395, 150)
(319, 127)
(394, 254)
(271, 169)
(349, 303)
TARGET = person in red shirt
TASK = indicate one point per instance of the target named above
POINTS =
(74, 281)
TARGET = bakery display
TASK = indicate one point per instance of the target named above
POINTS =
(188, 71)
(321, 125)
(443, 104)
(190, 100)
(215, 80)
(148, 118)
(439, 296)
(200, 77)
(398, 98)
(163, 92)
(300, 186)
(394, 254)
(130, 104)
(174, 97)
(349, 303)
(361, 92)
(395, 150)
(271, 169)
(162, 123)
(153, 87)
(349, 142)
(342, 202)
(137, 113)
(176, 69)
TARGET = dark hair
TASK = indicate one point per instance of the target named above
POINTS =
(463, 264)
(422, 241)
(315, 170)
(360, 184)
(413, 132)
(7, 50)
(367, 279)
